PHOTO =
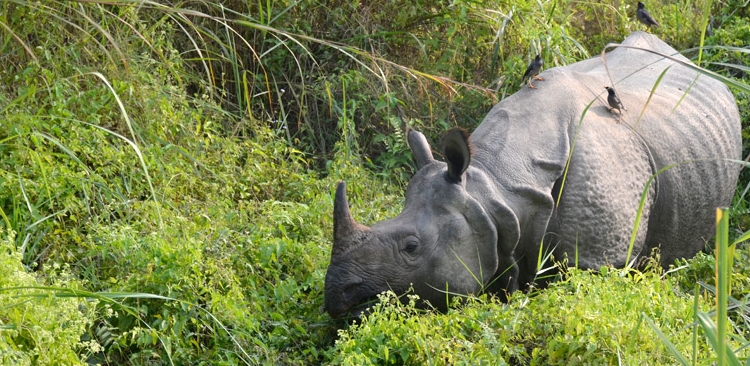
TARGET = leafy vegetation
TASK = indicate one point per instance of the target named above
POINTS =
(167, 169)
(572, 321)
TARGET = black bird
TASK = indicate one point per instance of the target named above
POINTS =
(644, 17)
(614, 100)
(532, 71)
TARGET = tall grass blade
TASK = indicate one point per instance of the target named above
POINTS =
(30, 91)
(634, 332)
(23, 192)
(724, 48)
(726, 80)
(710, 329)
(722, 279)
(570, 153)
(696, 309)
(234, 62)
(97, 24)
(690, 87)
(20, 41)
(6, 219)
(641, 204)
(43, 172)
(744, 237)
(667, 343)
(479, 280)
(639, 215)
(744, 68)
(704, 25)
(651, 94)
(132, 143)
(64, 148)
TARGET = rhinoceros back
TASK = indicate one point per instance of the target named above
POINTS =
(693, 123)
(684, 119)
(690, 123)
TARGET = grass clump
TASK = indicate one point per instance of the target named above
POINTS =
(598, 319)
(586, 318)
(36, 327)
(395, 333)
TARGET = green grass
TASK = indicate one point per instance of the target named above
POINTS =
(167, 174)
(724, 349)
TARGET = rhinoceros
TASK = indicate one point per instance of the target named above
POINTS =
(552, 169)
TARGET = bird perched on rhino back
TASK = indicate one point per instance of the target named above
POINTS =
(644, 17)
(613, 100)
(534, 68)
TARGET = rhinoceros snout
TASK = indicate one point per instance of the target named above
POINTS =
(341, 294)
(351, 288)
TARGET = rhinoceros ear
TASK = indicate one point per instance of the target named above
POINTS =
(457, 152)
(419, 148)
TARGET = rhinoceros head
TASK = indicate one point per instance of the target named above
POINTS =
(443, 242)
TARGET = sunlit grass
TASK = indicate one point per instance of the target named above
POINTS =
(715, 330)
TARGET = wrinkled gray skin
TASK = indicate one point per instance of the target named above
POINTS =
(481, 216)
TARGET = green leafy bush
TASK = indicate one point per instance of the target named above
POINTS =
(587, 318)
(37, 327)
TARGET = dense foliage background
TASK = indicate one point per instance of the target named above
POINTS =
(167, 168)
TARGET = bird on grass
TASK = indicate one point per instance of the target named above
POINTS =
(614, 100)
(644, 17)
(532, 71)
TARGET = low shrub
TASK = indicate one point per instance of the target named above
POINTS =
(38, 327)
(586, 318)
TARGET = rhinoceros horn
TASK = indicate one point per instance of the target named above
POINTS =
(346, 231)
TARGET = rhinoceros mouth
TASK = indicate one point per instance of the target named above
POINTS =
(364, 307)
(357, 310)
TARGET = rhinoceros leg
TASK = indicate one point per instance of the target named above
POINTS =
(608, 173)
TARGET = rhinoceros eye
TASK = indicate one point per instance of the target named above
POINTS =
(411, 247)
